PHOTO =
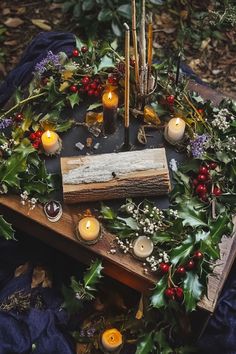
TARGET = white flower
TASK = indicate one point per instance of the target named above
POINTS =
(173, 165)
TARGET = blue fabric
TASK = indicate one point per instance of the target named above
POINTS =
(220, 334)
(43, 327)
(36, 51)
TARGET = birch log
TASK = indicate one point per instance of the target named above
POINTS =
(115, 175)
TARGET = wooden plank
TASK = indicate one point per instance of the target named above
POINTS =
(60, 235)
(115, 176)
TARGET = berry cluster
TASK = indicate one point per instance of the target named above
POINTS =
(88, 85)
(202, 182)
(35, 138)
(176, 292)
(113, 79)
(76, 53)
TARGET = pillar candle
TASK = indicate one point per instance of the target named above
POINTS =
(50, 142)
(110, 104)
(176, 129)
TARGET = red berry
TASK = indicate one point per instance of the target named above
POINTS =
(198, 255)
(93, 86)
(203, 170)
(202, 178)
(190, 265)
(201, 188)
(38, 133)
(170, 293)
(73, 88)
(32, 136)
(195, 182)
(90, 92)
(19, 117)
(115, 80)
(170, 99)
(200, 110)
(84, 49)
(212, 165)
(36, 145)
(164, 267)
(110, 79)
(181, 271)
(81, 89)
(85, 80)
(217, 191)
(96, 93)
(179, 293)
(75, 53)
(96, 81)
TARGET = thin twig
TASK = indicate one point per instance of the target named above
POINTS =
(30, 98)
(135, 44)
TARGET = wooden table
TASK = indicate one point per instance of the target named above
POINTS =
(122, 267)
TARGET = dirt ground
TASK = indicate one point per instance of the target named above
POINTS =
(214, 61)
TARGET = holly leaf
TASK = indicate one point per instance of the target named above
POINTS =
(107, 212)
(161, 237)
(180, 253)
(158, 296)
(94, 106)
(191, 213)
(146, 344)
(130, 222)
(71, 303)
(192, 291)
(10, 169)
(161, 339)
(92, 276)
(220, 227)
(74, 99)
(106, 62)
(6, 229)
(63, 126)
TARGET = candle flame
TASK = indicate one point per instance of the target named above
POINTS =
(110, 95)
(88, 223)
(48, 134)
(177, 121)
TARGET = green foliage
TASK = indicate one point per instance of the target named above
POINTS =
(192, 290)
(77, 293)
(158, 298)
(6, 229)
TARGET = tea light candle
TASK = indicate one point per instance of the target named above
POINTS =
(89, 229)
(50, 142)
(110, 103)
(111, 340)
(143, 247)
(176, 129)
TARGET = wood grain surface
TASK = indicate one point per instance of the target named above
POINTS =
(115, 176)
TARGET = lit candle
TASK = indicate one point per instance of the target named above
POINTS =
(143, 247)
(111, 340)
(110, 104)
(176, 129)
(89, 229)
(50, 142)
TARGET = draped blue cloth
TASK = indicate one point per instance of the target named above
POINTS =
(41, 330)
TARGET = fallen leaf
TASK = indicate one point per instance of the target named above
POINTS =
(41, 24)
(38, 276)
(22, 269)
(13, 22)
(11, 43)
(21, 10)
(6, 11)
(55, 6)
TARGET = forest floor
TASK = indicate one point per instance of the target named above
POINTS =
(211, 54)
